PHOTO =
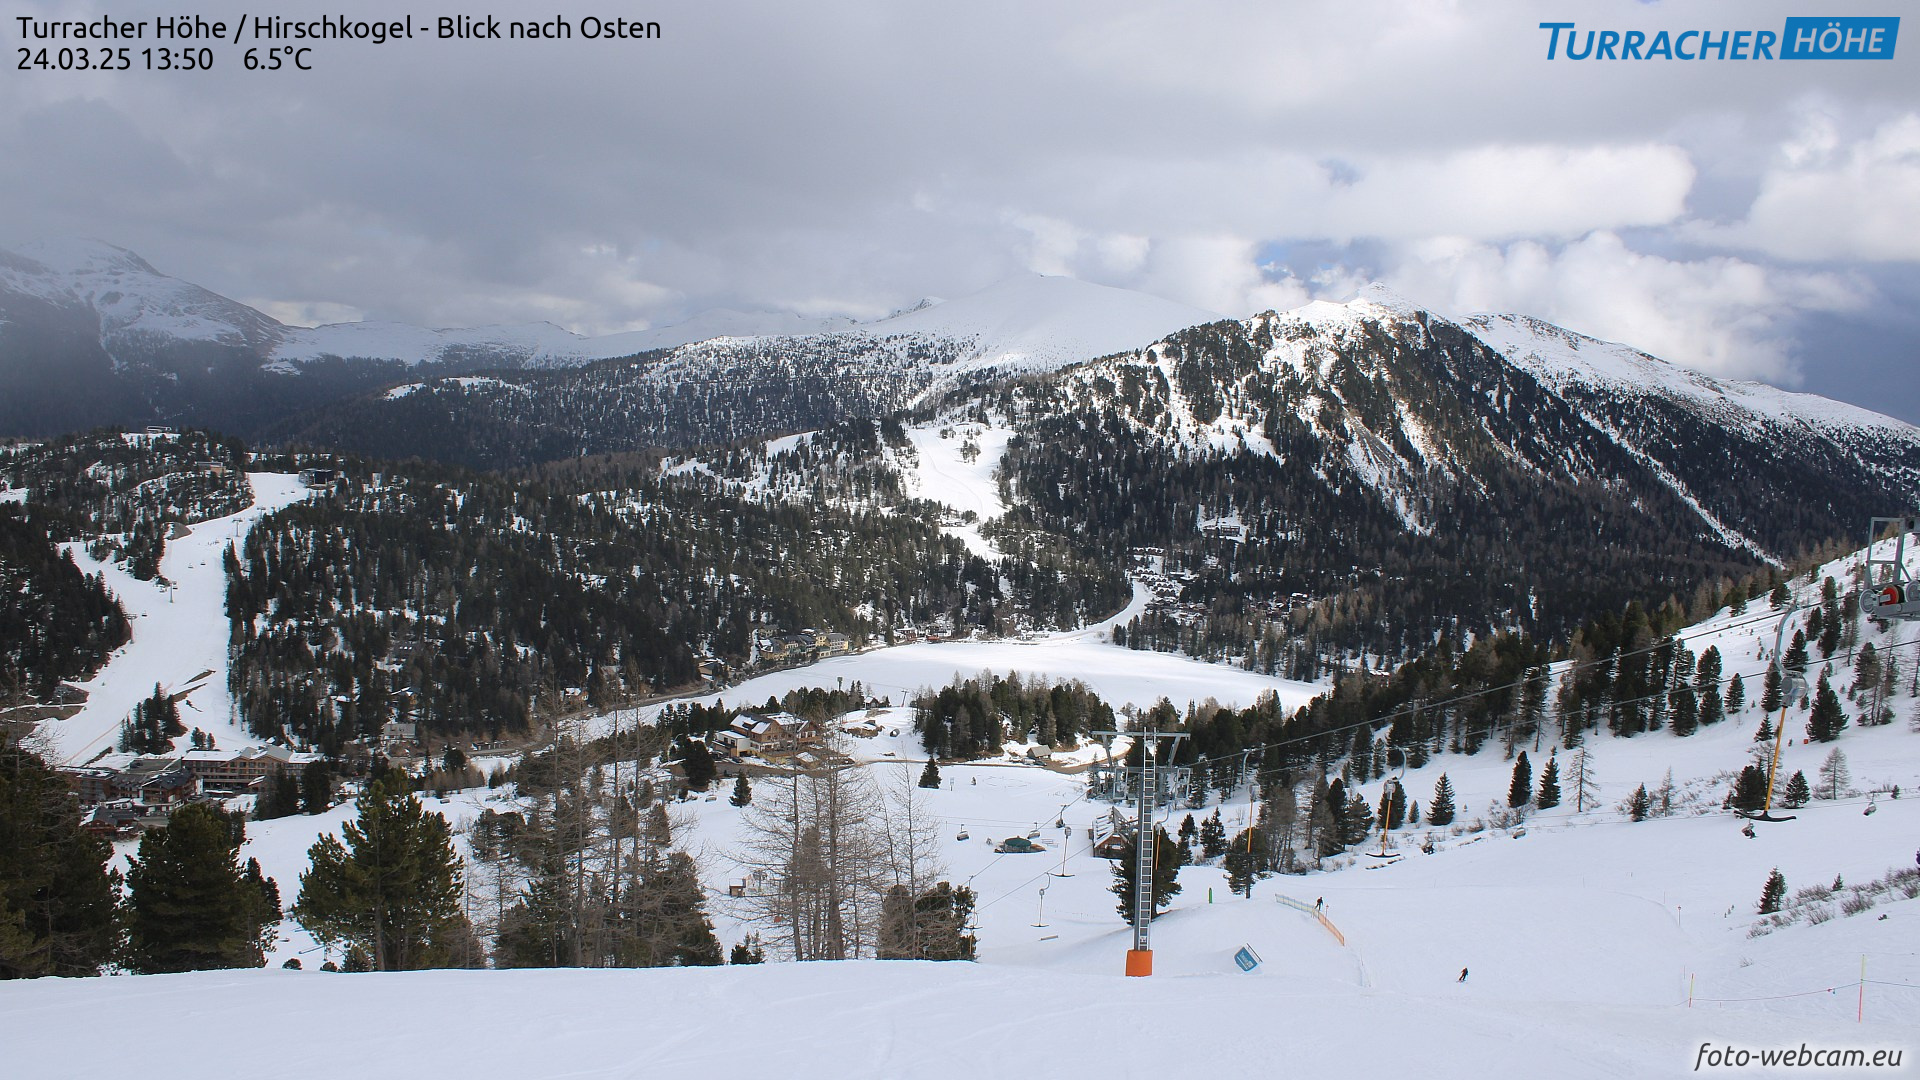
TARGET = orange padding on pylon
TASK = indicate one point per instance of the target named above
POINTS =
(1139, 962)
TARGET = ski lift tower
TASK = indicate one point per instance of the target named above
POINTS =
(1145, 840)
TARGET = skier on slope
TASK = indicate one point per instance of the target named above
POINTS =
(1463, 975)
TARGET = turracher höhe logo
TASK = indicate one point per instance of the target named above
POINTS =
(1822, 38)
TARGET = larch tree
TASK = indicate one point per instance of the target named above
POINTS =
(817, 862)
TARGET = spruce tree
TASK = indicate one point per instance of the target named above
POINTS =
(1639, 803)
(667, 923)
(1771, 691)
(1796, 658)
(280, 799)
(1683, 711)
(1798, 794)
(696, 763)
(1165, 885)
(743, 791)
(1736, 695)
(1750, 789)
(1549, 796)
(1440, 809)
(316, 788)
(392, 889)
(1828, 718)
(930, 776)
(1357, 823)
(191, 904)
(1711, 709)
(1520, 788)
(1213, 837)
(1242, 862)
(747, 951)
(1773, 892)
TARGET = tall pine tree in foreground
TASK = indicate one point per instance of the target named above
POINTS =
(191, 905)
(392, 890)
(57, 912)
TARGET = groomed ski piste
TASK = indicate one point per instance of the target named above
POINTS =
(1594, 945)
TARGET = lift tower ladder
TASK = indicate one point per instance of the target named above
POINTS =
(1145, 840)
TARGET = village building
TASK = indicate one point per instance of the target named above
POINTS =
(1111, 835)
(768, 735)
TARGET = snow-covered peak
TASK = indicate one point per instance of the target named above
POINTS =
(1376, 294)
(1373, 303)
(1564, 359)
(75, 256)
(132, 299)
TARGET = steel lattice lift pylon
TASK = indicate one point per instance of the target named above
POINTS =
(1145, 840)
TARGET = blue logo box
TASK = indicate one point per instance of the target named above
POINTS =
(1838, 38)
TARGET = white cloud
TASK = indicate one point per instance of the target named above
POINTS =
(1828, 199)
(1722, 315)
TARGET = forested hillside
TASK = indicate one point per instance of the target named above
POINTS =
(124, 492)
(56, 623)
(475, 602)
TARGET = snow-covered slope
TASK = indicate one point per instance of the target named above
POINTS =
(1600, 946)
(135, 305)
(1572, 362)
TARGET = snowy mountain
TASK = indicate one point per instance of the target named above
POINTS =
(1399, 400)
(91, 333)
(730, 388)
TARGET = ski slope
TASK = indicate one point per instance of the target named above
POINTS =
(179, 634)
(1596, 946)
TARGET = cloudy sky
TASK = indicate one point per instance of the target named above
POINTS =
(1755, 219)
